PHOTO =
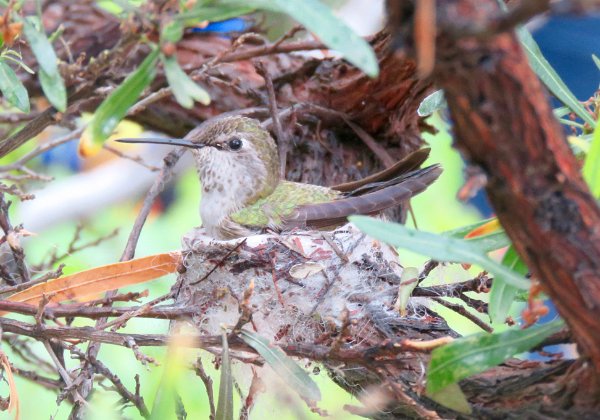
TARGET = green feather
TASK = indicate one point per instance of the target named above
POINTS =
(270, 211)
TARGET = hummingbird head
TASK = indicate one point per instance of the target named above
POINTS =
(236, 151)
(237, 162)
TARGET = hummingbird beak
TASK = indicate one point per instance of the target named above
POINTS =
(170, 142)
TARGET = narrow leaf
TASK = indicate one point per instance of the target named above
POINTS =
(54, 89)
(167, 401)
(12, 88)
(438, 247)
(213, 13)
(408, 282)
(172, 31)
(225, 403)
(101, 279)
(596, 60)
(591, 166)
(432, 103)
(478, 352)
(451, 396)
(502, 294)
(550, 77)
(113, 109)
(285, 367)
(463, 231)
(52, 82)
(319, 18)
(40, 45)
(184, 89)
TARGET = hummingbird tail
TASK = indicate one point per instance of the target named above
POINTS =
(380, 196)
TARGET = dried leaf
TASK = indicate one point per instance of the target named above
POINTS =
(14, 395)
(101, 279)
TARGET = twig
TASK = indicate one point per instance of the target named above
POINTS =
(92, 312)
(429, 267)
(480, 284)
(64, 374)
(122, 319)
(43, 148)
(73, 247)
(38, 379)
(135, 158)
(12, 235)
(208, 384)
(282, 140)
(45, 277)
(136, 399)
(161, 180)
(16, 191)
(269, 49)
(220, 262)
(15, 118)
(464, 312)
(163, 177)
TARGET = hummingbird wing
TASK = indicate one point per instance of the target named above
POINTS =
(409, 163)
(381, 197)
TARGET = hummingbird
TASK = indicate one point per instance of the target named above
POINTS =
(243, 193)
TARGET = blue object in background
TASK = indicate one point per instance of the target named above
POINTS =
(568, 44)
(65, 155)
(226, 26)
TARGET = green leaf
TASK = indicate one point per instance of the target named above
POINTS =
(547, 74)
(409, 274)
(596, 60)
(285, 367)
(184, 88)
(215, 13)
(432, 103)
(551, 79)
(225, 403)
(479, 352)
(113, 109)
(462, 231)
(12, 88)
(54, 89)
(172, 31)
(451, 396)
(502, 294)
(591, 166)
(40, 45)
(438, 247)
(52, 82)
(491, 242)
(319, 18)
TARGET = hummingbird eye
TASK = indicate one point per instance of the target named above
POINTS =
(235, 143)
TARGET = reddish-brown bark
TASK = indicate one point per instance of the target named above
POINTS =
(503, 122)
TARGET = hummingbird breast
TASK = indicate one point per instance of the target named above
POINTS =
(229, 182)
